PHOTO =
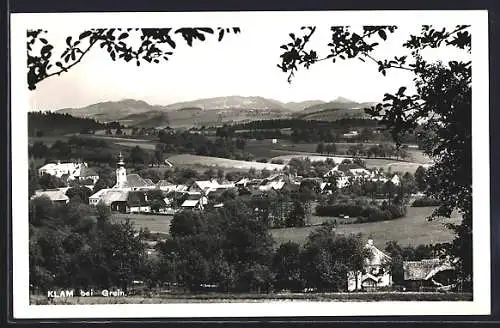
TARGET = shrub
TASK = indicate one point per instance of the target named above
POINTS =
(363, 211)
(425, 201)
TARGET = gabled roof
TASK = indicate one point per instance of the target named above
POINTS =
(135, 181)
(424, 269)
(377, 256)
(113, 195)
(206, 184)
(98, 194)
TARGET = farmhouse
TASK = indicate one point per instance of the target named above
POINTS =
(376, 272)
(429, 274)
(55, 195)
(69, 171)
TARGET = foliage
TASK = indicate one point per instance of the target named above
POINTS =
(361, 209)
(52, 123)
(425, 201)
(199, 144)
(155, 45)
(441, 107)
(327, 258)
(75, 245)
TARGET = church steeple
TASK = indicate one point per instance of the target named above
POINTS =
(121, 172)
(120, 160)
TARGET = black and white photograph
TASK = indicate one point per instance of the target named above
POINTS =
(240, 164)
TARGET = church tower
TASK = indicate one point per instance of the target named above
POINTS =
(121, 172)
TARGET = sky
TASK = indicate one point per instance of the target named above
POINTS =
(244, 64)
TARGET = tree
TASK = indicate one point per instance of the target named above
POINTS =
(81, 193)
(48, 181)
(320, 148)
(420, 178)
(139, 156)
(286, 265)
(150, 45)
(441, 106)
(39, 150)
(327, 258)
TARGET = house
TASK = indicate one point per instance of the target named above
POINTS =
(203, 186)
(87, 174)
(376, 272)
(124, 201)
(192, 204)
(55, 195)
(395, 180)
(429, 274)
(58, 169)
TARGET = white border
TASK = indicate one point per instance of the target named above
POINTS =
(480, 129)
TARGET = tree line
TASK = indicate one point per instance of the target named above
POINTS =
(52, 123)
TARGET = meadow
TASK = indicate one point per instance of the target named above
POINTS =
(188, 159)
(413, 229)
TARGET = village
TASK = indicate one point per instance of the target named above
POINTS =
(133, 194)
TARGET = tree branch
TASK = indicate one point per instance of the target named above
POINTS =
(64, 69)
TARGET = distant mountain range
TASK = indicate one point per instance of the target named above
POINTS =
(212, 111)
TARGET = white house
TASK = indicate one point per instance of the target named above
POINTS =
(375, 274)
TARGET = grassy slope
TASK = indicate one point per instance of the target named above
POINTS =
(414, 229)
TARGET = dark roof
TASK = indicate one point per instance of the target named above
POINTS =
(87, 172)
(424, 269)
(149, 182)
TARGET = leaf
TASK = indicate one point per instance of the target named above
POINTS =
(382, 34)
(44, 41)
(221, 35)
(84, 35)
(68, 41)
(401, 90)
(123, 36)
(47, 48)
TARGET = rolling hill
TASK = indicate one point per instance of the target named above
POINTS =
(214, 111)
(111, 110)
(231, 102)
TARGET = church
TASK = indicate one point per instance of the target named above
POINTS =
(128, 194)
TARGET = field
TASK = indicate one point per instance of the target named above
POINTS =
(371, 163)
(255, 298)
(414, 229)
(155, 223)
(187, 159)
